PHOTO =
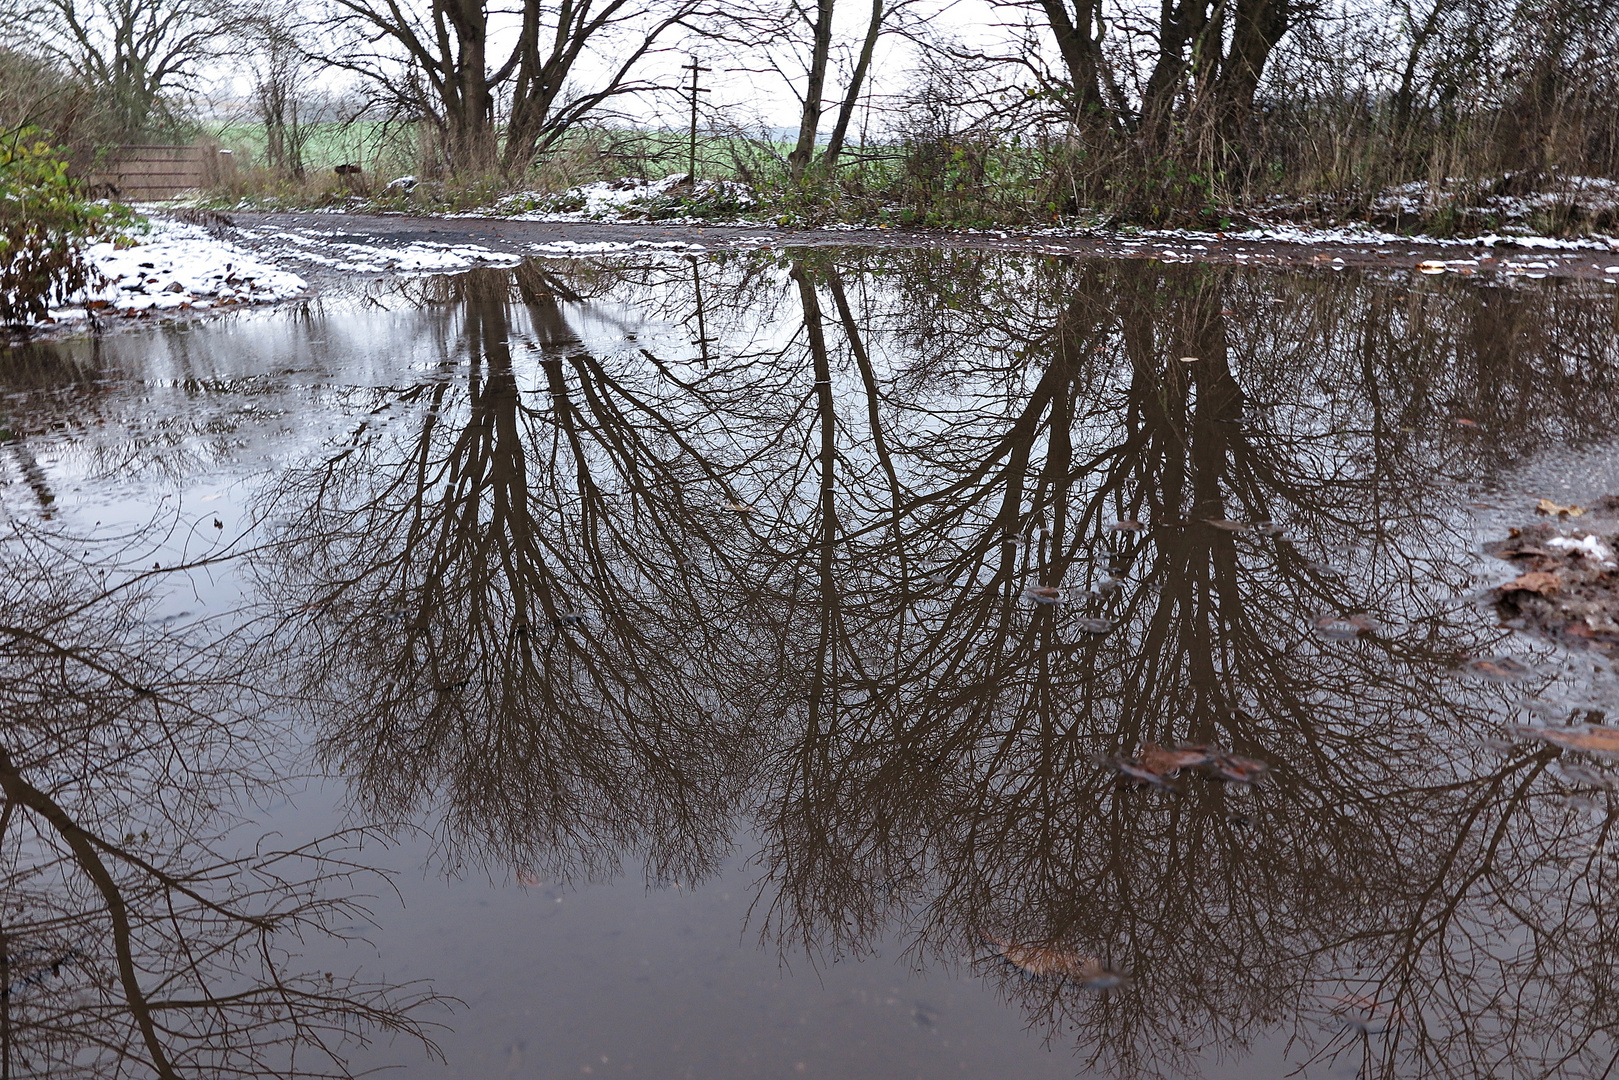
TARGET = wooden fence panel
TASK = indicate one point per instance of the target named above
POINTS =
(138, 173)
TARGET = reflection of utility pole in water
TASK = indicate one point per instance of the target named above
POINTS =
(694, 68)
(702, 324)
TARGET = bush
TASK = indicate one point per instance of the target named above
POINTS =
(45, 225)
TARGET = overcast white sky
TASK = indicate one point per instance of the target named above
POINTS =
(741, 86)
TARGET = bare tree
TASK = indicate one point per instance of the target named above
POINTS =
(139, 53)
(280, 63)
(438, 64)
(800, 44)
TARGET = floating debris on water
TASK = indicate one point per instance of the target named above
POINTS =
(1130, 525)
(1043, 594)
(1227, 526)
(1345, 627)
(1047, 962)
(1156, 766)
(1501, 669)
(1591, 740)
(1093, 626)
(1550, 509)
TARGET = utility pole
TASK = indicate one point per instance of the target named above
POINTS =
(694, 68)
(702, 322)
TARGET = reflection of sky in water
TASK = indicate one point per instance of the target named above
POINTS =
(698, 764)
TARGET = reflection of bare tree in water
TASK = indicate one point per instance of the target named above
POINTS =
(514, 616)
(139, 937)
(553, 592)
(946, 765)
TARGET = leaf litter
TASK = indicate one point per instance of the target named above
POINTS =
(1567, 587)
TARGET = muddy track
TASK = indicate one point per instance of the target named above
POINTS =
(520, 237)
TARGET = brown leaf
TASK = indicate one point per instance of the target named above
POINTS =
(1541, 582)
(1595, 740)
(1549, 508)
(1238, 770)
(1050, 962)
(1156, 759)
(1499, 669)
(1133, 774)
(1227, 526)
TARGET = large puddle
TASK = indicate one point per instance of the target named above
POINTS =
(763, 666)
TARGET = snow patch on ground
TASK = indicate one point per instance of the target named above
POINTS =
(608, 247)
(1352, 235)
(633, 198)
(1504, 197)
(318, 248)
(175, 267)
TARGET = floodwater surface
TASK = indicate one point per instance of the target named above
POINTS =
(833, 663)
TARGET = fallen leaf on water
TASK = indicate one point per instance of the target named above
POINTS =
(529, 880)
(1228, 526)
(1224, 765)
(1128, 526)
(1462, 421)
(1165, 762)
(1043, 594)
(1536, 581)
(1595, 740)
(1093, 626)
(1551, 509)
(1135, 774)
(1050, 962)
(1188, 359)
(1345, 628)
(739, 508)
(1499, 669)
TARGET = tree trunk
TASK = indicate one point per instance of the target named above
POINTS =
(810, 121)
(834, 145)
(1257, 28)
(1081, 52)
(1177, 27)
(469, 104)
